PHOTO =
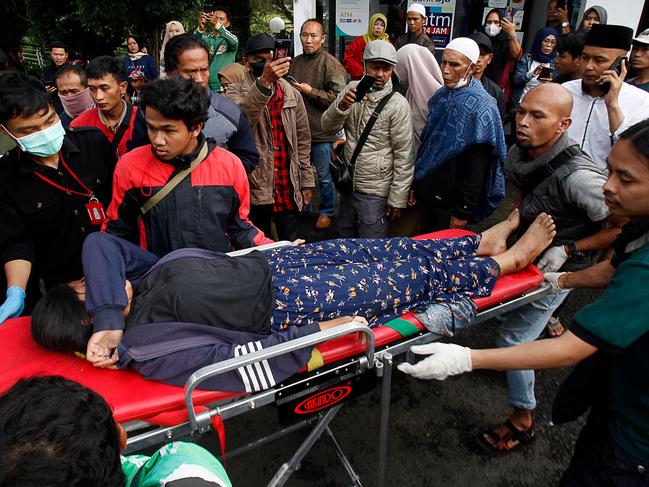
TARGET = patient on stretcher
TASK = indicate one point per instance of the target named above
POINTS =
(168, 317)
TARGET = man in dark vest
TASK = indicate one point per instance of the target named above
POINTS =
(554, 176)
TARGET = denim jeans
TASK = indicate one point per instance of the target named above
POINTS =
(321, 154)
(524, 325)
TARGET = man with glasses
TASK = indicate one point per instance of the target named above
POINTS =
(187, 56)
(320, 78)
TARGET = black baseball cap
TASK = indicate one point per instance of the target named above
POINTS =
(259, 42)
(482, 40)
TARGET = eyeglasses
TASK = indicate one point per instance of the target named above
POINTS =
(549, 42)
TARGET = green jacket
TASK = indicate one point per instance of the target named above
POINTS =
(174, 461)
(223, 50)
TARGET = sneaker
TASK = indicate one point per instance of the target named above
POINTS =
(323, 222)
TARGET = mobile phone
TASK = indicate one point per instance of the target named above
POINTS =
(545, 74)
(282, 47)
(291, 79)
(208, 7)
(364, 86)
(617, 67)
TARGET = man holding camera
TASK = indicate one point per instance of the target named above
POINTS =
(604, 106)
(283, 182)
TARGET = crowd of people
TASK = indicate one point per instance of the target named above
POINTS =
(123, 183)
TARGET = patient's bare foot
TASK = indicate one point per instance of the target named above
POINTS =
(537, 237)
(494, 239)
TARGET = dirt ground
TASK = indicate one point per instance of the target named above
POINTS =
(432, 430)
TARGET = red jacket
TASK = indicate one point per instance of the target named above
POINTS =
(90, 118)
(208, 209)
(353, 60)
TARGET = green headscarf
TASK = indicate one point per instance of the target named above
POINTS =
(369, 37)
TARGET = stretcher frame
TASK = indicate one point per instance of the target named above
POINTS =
(379, 361)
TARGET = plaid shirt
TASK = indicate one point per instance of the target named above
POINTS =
(283, 187)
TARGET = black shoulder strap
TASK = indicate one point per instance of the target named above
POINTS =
(370, 123)
(542, 173)
(119, 135)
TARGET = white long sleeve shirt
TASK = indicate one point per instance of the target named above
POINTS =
(590, 127)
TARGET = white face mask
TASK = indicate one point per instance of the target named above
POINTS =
(464, 80)
(492, 30)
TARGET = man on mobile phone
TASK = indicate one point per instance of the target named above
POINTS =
(383, 168)
(604, 106)
(213, 28)
(59, 57)
(283, 182)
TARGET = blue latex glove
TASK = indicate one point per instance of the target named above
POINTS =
(14, 303)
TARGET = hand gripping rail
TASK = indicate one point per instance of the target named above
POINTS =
(287, 347)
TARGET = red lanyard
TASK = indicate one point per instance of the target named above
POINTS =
(62, 188)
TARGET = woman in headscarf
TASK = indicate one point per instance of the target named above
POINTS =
(529, 70)
(232, 74)
(136, 59)
(418, 69)
(353, 60)
(173, 28)
(594, 15)
(506, 50)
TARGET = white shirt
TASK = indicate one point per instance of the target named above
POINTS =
(590, 127)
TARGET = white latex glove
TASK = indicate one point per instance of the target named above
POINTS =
(445, 359)
(552, 259)
(552, 278)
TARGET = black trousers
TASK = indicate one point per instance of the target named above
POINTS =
(262, 217)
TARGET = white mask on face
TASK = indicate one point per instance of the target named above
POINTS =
(492, 30)
(464, 80)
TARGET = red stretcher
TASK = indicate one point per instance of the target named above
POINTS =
(340, 369)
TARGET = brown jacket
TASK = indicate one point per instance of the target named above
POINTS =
(253, 99)
(327, 77)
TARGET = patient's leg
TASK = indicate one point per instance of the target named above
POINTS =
(494, 239)
(534, 241)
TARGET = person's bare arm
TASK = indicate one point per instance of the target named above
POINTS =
(17, 273)
(594, 277)
(542, 354)
(514, 46)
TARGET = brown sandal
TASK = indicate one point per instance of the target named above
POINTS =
(502, 444)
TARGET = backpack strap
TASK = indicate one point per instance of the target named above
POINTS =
(370, 123)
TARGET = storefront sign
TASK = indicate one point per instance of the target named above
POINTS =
(352, 17)
(440, 15)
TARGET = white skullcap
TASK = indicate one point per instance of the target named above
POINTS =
(276, 25)
(418, 8)
(466, 46)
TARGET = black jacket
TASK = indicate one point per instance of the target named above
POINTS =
(42, 224)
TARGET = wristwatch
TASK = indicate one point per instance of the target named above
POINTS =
(564, 25)
(572, 248)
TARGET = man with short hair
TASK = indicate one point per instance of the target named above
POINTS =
(640, 61)
(282, 184)
(72, 87)
(188, 57)
(486, 56)
(209, 207)
(604, 106)
(67, 437)
(556, 177)
(222, 44)
(383, 169)
(50, 188)
(415, 18)
(459, 167)
(320, 78)
(568, 60)
(112, 115)
(59, 58)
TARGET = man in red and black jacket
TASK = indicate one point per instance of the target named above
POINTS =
(208, 208)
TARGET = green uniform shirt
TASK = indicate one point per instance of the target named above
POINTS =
(175, 461)
(223, 50)
(619, 322)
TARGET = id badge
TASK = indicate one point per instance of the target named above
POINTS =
(95, 212)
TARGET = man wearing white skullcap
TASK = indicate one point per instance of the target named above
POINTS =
(416, 18)
(459, 174)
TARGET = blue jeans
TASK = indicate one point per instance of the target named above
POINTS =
(321, 155)
(524, 325)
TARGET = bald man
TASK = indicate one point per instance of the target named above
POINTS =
(554, 176)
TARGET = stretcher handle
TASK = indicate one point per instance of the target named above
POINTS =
(213, 370)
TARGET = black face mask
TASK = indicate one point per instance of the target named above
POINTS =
(258, 67)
